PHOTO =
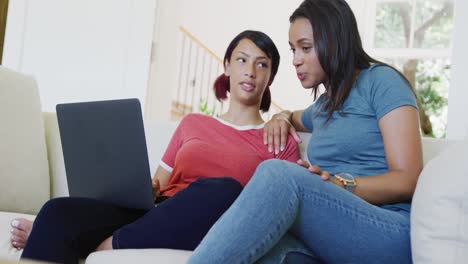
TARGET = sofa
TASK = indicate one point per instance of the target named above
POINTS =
(32, 171)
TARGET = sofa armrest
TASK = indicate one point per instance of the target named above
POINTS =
(24, 172)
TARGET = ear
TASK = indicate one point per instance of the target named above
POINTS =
(227, 68)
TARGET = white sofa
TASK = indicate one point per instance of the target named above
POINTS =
(32, 171)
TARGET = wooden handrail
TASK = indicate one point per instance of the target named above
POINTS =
(275, 105)
(194, 39)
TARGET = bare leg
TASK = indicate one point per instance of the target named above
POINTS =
(20, 230)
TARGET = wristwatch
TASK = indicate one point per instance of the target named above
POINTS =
(348, 181)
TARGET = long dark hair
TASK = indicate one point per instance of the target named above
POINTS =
(338, 46)
(263, 42)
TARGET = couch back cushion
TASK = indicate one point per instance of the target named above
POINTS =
(24, 172)
(158, 134)
(58, 179)
(439, 214)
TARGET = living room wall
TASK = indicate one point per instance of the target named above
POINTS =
(81, 50)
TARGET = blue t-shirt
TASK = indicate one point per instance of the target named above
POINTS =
(351, 140)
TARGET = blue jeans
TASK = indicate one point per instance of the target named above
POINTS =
(288, 215)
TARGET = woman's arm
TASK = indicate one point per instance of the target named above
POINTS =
(277, 129)
(402, 143)
(295, 118)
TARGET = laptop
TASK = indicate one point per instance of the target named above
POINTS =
(105, 153)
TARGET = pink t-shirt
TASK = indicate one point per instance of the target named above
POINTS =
(203, 147)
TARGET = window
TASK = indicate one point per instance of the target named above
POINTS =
(414, 36)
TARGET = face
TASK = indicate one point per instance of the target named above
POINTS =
(249, 71)
(305, 59)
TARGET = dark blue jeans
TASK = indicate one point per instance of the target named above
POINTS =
(67, 229)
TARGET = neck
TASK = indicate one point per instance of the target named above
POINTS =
(242, 115)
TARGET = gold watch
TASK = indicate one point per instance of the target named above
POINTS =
(348, 181)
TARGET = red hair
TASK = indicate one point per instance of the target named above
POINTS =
(221, 87)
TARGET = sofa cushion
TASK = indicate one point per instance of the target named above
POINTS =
(305, 138)
(141, 256)
(439, 214)
(24, 172)
(158, 134)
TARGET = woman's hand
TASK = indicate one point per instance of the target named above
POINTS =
(160, 179)
(156, 188)
(324, 175)
(275, 132)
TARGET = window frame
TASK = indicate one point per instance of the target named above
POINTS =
(394, 53)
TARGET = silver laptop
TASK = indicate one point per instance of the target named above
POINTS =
(105, 153)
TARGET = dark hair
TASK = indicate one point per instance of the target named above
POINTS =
(263, 42)
(338, 46)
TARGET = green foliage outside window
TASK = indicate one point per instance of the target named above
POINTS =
(431, 30)
(432, 81)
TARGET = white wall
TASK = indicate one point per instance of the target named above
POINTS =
(81, 50)
(458, 94)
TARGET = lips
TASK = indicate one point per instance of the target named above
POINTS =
(247, 86)
(301, 76)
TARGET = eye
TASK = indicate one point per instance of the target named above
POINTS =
(292, 50)
(241, 60)
(263, 65)
(306, 49)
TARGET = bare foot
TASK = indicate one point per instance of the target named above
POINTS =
(20, 230)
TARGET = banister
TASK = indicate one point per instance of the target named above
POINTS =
(199, 43)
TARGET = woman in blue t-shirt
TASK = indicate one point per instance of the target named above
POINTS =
(353, 204)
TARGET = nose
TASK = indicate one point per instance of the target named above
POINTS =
(297, 59)
(250, 71)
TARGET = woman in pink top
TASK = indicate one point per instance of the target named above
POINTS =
(201, 173)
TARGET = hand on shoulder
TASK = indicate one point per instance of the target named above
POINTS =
(276, 132)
